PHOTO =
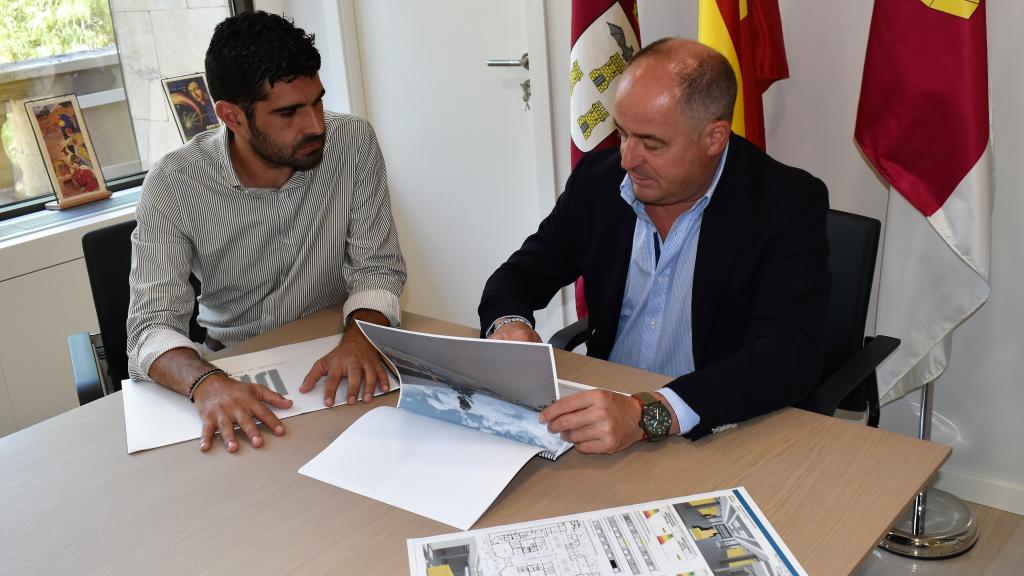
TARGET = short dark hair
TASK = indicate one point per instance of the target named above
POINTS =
(252, 51)
(707, 83)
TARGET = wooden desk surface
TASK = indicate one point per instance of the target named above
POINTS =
(72, 501)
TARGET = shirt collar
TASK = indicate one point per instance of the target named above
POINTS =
(627, 194)
(226, 168)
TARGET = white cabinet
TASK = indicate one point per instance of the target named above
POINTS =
(44, 297)
(41, 309)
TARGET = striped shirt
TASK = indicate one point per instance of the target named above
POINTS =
(264, 256)
(655, 322)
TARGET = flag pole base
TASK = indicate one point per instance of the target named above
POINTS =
(937, 524)
(948, 528)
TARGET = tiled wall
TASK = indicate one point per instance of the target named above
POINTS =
(159, 39)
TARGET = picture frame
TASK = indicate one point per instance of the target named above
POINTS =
(191, 104)
(67, 151)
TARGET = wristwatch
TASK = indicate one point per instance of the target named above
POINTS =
(655, 418)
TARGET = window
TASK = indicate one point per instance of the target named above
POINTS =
(112, 56)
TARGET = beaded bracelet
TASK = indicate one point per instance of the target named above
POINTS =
(199, 380)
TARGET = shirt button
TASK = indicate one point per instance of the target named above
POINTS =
(654, 323)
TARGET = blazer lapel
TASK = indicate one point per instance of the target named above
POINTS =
(722, 231)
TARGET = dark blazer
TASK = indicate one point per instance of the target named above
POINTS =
(760, 284)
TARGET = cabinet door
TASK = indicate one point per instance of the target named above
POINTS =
(39, 311)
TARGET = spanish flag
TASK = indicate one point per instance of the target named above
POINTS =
(749, 34)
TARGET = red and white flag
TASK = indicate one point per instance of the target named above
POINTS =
(923, 123)
(605, 36)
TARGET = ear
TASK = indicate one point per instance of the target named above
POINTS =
(715, 136)
(232, 116)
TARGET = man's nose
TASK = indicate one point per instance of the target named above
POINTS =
(631, 157)
(313, 121)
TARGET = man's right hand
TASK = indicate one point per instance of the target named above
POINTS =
(518, 331)
(222, 403)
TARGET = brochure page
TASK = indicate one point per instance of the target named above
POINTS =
(703, 535)
(155, 416)
(498, 387)
(447, 473)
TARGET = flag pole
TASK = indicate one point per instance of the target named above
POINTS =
(937, 524)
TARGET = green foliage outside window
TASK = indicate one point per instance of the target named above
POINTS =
(40, 28)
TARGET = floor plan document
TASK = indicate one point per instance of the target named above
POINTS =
(466, 422)
(703, 535)
(155, 416)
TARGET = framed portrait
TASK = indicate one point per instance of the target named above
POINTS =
(67, 150)
(191, 104)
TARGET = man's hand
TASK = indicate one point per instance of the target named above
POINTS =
(223, 402)
(518, 331)
(356, 359)
(596, 421)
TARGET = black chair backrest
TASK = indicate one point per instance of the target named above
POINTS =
(108, 260)
(853, 247)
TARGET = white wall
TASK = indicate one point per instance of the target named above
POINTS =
(810, 120)
(321, 19)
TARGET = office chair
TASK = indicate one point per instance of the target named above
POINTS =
(100, 361)
(848, 374)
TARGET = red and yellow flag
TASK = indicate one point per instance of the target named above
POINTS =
(749, 34)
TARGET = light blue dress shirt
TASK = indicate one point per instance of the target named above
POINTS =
(655, 323)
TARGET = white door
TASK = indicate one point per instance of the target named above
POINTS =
(470, 168)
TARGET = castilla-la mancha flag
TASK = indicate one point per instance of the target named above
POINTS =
(749, 34)
(923, 123)
(605, 36)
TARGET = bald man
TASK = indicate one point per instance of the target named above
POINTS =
(704, 260)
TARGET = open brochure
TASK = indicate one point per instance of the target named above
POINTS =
(720, 532)
(466, 422)
(155, 416)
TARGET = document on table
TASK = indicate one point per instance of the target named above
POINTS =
(427, 466)
(700, 535)
(155, 416)
(466, 423)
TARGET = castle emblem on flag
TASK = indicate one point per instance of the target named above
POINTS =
(600, 54)
(594, 117)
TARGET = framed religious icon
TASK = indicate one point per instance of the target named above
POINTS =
(191, 104)
(67, 151)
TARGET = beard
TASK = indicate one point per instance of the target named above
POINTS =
(279, 154)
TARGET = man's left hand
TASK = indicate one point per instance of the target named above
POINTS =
(596, 421)
(354, 358)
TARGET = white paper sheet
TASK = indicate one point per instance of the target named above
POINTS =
(155, 416)
(443, 471)
(699, 535)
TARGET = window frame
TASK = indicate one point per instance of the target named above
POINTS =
(38, 204)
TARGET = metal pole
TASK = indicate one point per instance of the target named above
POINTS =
(953, 530)
(924, 432)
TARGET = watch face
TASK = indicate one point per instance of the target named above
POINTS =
(656, 420)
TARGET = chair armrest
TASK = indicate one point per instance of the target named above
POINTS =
(572, 335)
(88, 381)
(827, 396)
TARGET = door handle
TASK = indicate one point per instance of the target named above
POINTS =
(524, 62)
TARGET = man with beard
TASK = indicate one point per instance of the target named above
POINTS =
(280, 213)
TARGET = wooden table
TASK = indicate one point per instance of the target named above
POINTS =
(72, 501)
